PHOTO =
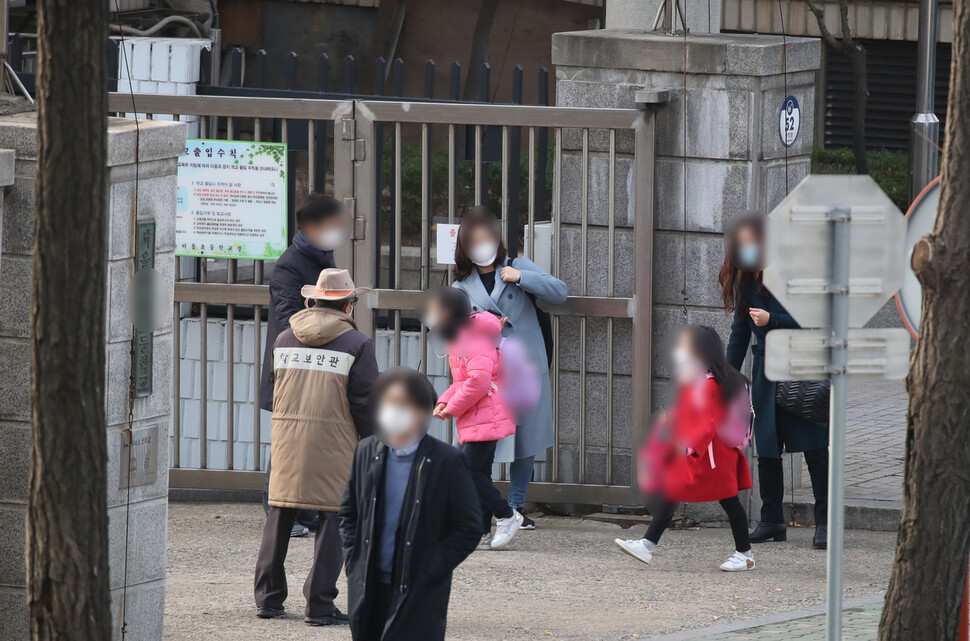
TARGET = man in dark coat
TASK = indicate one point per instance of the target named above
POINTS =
(408, 518)
(322, 229)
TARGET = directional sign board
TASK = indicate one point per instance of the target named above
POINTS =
(799, 269)
(803, 354)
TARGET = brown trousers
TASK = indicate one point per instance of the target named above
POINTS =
(320, 587)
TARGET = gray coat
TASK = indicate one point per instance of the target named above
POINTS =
(536, 432)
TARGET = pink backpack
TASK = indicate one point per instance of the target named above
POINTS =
(521, 386)
(738, 426)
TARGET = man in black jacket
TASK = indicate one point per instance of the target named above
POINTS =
(322, 229)
(409, 516)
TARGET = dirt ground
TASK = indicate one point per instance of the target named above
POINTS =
(565, 580)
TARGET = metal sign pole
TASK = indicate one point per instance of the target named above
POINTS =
(841, 233)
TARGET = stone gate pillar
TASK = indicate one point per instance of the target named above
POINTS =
(152, 236)
(722, 132)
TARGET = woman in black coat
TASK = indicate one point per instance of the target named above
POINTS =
(757, 312)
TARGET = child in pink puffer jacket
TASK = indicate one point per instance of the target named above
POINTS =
(473, 399)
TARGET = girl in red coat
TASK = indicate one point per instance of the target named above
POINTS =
(704, 469)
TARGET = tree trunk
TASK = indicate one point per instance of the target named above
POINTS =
(481, 43)
(927, 585)
(67, 515)
(860, 96)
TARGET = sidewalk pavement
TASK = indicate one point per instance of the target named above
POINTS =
(875, 453)
(564, 581)
(860, 622)
(875, 440)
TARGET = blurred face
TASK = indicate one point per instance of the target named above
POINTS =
(434, 313)
(482, 246)
(399, 419)
(748, 251)
(688, 368)
(327, 234)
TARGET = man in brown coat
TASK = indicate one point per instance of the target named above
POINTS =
(323, 370)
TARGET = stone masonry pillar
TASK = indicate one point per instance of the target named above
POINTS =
(729, 145)
(161, 143)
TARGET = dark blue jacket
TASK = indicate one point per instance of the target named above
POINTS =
(773, 430)
(299, 265)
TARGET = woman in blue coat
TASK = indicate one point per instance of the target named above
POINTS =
(511, 287)
(757, 312)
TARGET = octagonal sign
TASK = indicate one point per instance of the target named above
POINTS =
(799, 248)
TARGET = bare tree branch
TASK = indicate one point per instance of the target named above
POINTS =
(824, 30)
(844, 19)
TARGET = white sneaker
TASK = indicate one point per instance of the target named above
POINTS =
(738, 563)
(505, 529)
(486, 542)
(637, 548)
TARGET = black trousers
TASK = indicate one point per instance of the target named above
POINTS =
(732, 506)
(479, 457)
(771, 483)
(320, 588)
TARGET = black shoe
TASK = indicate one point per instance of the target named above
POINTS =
(821, 539)
(527, 523)
(337, 618)
(299, 530)
(766, 531)
(269, 613)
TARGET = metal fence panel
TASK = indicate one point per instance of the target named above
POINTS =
(226, 443)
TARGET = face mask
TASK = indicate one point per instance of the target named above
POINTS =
(429, 321)
(329, 239)
(484, 254)
(395, 420)
(686, 368)
(749, 256)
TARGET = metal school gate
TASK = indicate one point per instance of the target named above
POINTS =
(404, 147)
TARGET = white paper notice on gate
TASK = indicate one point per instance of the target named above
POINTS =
(447, 240)
(231, 200)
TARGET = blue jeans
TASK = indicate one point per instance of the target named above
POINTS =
(520, 473)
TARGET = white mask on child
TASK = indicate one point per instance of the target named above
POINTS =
(395, 420)
(484, 254)
(687, 369)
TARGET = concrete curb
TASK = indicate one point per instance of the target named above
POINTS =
(860, 514)
(781, 617)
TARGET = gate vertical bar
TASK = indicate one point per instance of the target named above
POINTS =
(556, 194)
(203, 371)
(257, 343)
(425, 230)
(397, 240)
(584, 203)
(610, 290)
(344, 133)
(841, 236)
(177, 373)
(643, 162)
(363, 180)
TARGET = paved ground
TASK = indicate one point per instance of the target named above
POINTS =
(860, 622)
(875, 442)
(563, 581)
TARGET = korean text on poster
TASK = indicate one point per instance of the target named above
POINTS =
(231, 200)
